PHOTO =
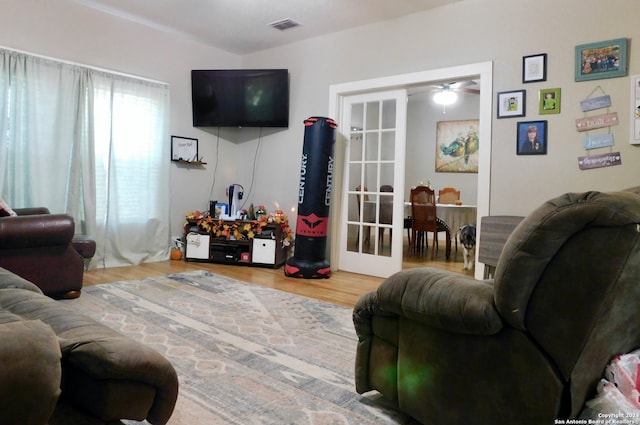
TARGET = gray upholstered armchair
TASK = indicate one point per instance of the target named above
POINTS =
(527, 347)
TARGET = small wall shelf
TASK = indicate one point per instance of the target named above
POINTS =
(182, 161)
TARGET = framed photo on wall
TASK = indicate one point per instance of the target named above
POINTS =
(184, 149)
(512, 104)
(534, 68)
(531, 138)
(549, 102)
(635, 110)
(605, 59)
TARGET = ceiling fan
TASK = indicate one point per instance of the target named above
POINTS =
(447, 93)
(467, 86)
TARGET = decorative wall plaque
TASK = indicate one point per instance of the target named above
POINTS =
(595, 103)
(598, 121)
(598, 141)
(599, 161)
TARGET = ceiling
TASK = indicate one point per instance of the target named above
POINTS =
(242, 26)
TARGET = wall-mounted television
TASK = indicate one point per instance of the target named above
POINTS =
(240, 98)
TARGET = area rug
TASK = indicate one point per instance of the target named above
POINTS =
(244, 354)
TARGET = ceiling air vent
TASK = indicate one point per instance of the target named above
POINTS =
(284, 24)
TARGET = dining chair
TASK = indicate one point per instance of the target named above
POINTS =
(424, 221)
(386, 212)
(367, 236)
(448, 195)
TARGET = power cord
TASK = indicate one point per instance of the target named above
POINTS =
(253, 173)
(215, 168)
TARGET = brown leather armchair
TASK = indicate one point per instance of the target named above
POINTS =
(39, 246)
(527, 347)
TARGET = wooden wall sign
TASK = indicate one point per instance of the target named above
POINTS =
(599, 161)
(598, 121)
(598, 141)
(595, 103)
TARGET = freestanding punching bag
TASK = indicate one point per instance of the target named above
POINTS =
(314, 200)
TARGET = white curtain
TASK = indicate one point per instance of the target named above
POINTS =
(92, 144)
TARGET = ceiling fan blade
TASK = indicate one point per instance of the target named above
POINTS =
(467, 90)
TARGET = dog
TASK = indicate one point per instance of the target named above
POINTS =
(467, 238)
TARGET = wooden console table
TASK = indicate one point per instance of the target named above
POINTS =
(263, 249)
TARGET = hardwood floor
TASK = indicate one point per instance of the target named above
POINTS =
(342, 288)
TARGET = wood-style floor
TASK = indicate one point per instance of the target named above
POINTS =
(342, 288)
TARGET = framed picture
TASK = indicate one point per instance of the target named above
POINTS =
(457, 146)
(606, 59)
(184, 149)
(532, 138)
(635, 110)
(534, 68)
(549, 101)
(512, 104)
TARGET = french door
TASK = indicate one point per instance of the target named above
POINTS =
(371, 231)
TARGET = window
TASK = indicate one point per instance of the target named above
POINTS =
(92, 144)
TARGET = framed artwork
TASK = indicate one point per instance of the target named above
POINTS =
(549, 102)
(534, 68)
(512, 104)
(605, 59)
(184, 149)
(531, 138)
(457, 146)
(635, 110)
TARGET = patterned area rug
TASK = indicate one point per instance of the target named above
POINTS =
(245, 354)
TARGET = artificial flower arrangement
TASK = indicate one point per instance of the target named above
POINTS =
(240, 230)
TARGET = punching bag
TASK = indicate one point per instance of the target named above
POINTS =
(314, 199)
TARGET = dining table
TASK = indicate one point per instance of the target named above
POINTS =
(455, 216)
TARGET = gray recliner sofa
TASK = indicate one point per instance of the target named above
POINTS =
(56, 361)
(526, 347)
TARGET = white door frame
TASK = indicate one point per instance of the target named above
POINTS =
(482, 70)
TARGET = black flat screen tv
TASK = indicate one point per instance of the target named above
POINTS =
(240, 98)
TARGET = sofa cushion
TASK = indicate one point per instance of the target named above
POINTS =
(30, 372)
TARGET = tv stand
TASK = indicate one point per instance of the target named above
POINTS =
(265, 249)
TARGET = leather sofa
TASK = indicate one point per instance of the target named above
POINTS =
(58, 365)
(41, 248)
(528, 346)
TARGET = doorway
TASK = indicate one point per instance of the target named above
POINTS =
(483, 72)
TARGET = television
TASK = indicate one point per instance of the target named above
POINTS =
(240, 98)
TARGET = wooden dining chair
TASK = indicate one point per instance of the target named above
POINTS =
(424, 221)
(367, 236)
(386, 212)
(448, 195)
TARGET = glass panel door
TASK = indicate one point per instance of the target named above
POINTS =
(372, 222)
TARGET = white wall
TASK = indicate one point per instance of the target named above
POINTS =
(423, 116)
(469, 31)
(473, 31)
